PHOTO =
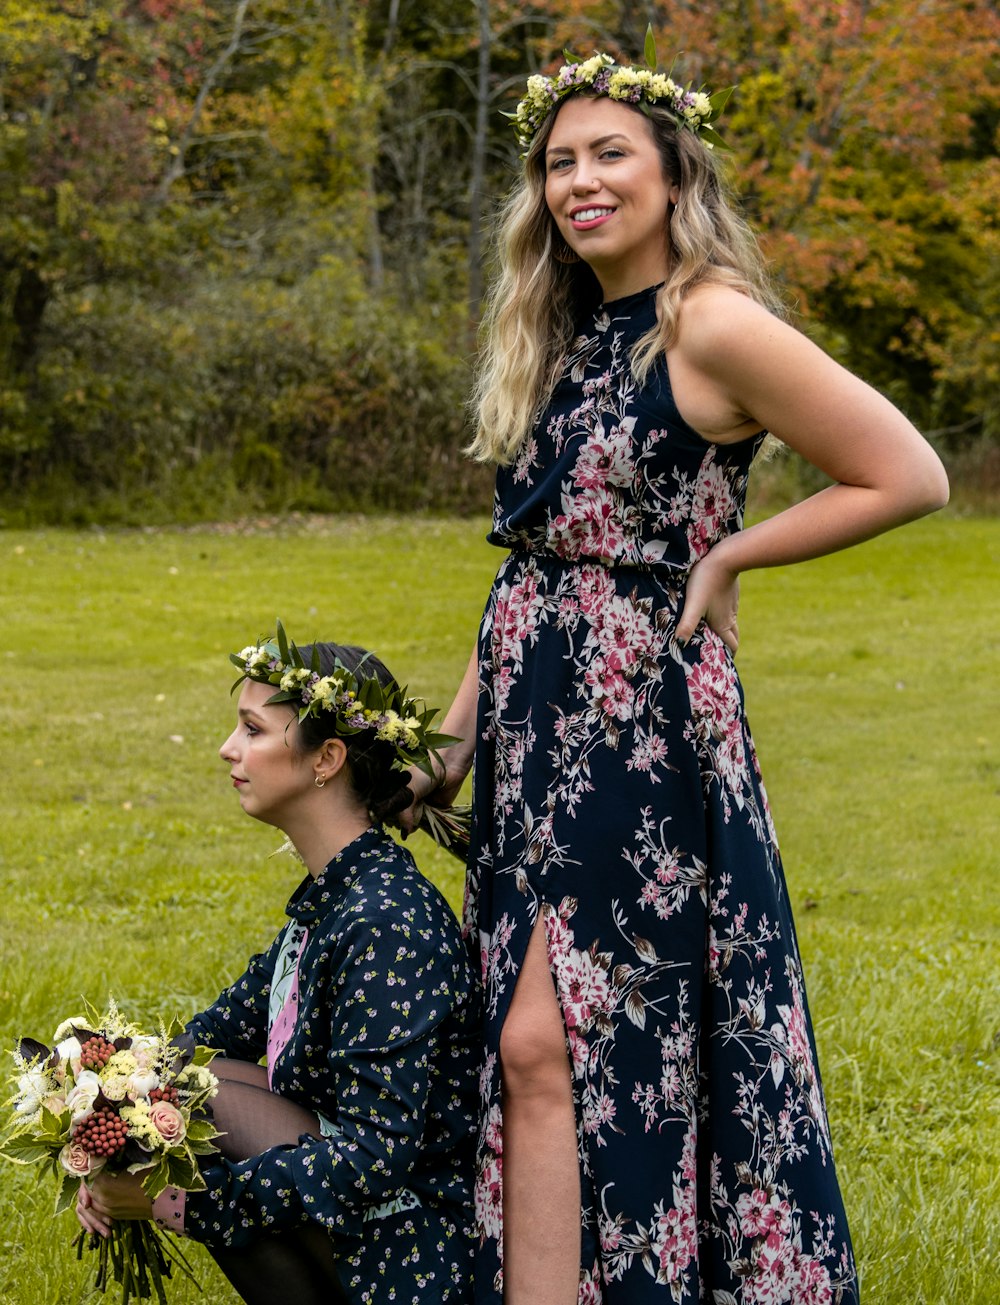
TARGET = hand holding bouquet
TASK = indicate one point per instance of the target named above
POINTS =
(109, 1098)
(450, 827)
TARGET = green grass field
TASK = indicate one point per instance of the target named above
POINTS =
(871, 686)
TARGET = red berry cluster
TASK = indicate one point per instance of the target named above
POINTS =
(95, 1053)
(102, 1133)
(166, 1093)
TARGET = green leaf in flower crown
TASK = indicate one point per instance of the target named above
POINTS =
(649, 52)
(720, 99)
(282, 643)
(712, 138)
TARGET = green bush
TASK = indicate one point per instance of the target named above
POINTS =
(246, 396)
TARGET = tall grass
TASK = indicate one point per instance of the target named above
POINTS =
(126, 866)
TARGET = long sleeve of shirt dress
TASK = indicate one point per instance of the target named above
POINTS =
(384, 1047)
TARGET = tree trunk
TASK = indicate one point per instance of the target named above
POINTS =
(476, 184)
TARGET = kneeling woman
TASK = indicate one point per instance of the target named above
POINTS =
(345, 1166)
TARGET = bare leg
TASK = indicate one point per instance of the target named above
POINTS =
(541, 1176)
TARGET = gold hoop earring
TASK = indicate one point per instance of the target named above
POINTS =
(320, 783)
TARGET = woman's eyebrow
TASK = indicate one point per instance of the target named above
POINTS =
(594, 144)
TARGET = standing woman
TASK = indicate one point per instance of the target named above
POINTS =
(651, 1075)
(344, 1176)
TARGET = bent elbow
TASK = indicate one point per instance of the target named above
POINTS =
(927, 488)
(935, 488)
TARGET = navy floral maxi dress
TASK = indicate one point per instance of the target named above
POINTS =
(619, 804)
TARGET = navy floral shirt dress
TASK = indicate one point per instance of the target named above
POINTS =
(384, 1045)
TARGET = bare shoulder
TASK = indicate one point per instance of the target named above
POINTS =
(719, 335)
(716, 321)
(736, 368)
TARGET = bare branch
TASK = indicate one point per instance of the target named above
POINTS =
(176, 168)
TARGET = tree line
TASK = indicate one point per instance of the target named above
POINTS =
(243, 243)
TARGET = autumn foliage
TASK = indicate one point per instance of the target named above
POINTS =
(241, 242)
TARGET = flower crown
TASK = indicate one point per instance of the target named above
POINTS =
(640, 86)
(355, 704)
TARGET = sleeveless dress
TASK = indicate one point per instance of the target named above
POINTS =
(618, 804)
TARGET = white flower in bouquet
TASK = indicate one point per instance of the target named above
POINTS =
(141, 1083)
(147, 1051)
(66, 1028)
(81, 1097)
(114, 1086)
(78, 1161)
(68, 1052)
(122, 1062)
(33, 1088)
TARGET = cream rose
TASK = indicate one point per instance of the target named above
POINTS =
(80, 1099)
(141, 1083)
(168, 1122)
(69, 1051)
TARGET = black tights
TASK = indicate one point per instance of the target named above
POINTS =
(297, 1267)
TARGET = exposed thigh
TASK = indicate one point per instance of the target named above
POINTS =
(534, 1035)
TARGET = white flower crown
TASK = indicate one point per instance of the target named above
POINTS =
(355, 703)
(600, 75)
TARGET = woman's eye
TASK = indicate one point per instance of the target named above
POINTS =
(251, 729)
(559, 165)
(613, 152)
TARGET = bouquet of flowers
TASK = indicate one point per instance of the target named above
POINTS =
(450, 827)
(109, 1097)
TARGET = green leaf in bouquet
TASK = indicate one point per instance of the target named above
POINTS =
(182, 1170)
(200, 1132)
(52, 1127)
(24, 1150)
(66, 1195)
(155, 1177)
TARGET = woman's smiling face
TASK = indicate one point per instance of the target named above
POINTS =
(605, 189)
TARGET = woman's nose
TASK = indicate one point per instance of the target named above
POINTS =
(585, 181)
(226, 750)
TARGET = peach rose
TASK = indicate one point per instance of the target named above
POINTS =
(168, 1122)
(78, 1161)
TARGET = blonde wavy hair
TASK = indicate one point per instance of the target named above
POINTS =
(535, 300)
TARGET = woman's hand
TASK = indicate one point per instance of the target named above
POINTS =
(441, 791)
(111, 1197)
(713, 595)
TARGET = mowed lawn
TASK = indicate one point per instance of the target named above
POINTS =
(871, 682)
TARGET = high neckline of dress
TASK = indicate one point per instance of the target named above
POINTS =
(630, 301)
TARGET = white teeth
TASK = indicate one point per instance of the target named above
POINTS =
(589, 214)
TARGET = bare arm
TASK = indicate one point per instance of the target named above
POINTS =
(738, 365)
(461, 722)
